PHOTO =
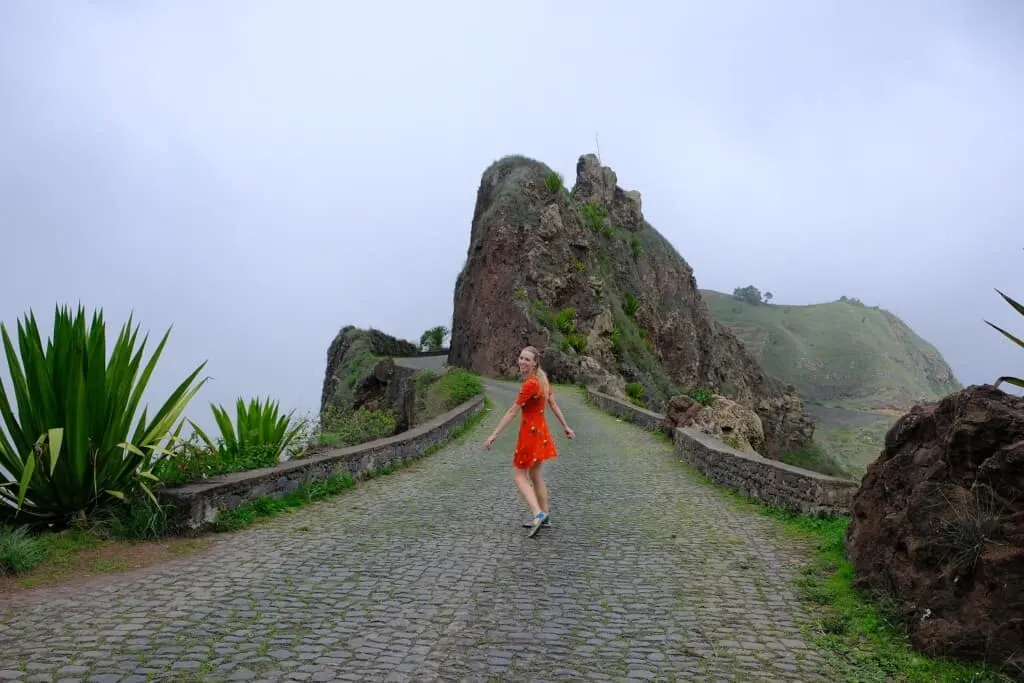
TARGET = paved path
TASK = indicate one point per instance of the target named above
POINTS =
(428, 575)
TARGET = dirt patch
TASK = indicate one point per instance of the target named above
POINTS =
(86, 558)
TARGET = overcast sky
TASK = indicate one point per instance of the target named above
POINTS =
(259, 174)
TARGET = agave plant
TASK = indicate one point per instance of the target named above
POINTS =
(71, 444)
(1016, 381)
(259, 435)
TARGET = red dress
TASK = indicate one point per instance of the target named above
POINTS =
(535, 443)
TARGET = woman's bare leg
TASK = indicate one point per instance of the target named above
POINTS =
(540, 489)
(522, 479)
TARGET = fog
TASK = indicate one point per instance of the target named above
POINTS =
(259, 174)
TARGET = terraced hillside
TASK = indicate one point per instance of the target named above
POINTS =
(858, 367)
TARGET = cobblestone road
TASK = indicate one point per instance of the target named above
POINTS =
(427, 574)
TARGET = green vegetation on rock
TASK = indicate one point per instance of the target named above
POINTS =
(554, 183)
(438, 393)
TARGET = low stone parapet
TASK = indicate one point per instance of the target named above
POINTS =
(768, 481)
(197, 504)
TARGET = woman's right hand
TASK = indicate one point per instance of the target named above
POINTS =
(569, 433)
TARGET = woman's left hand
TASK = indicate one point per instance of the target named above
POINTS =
(489, 442)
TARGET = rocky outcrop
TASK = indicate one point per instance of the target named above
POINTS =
(726, 420)
(680, 411)
(388, 387)
(582, 276)
(360, 373)
(938, 525)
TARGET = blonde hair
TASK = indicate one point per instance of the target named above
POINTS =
(545, 384)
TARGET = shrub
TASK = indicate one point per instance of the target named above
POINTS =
(19, 552)
(260, 432)
(459, 385)
(635, 248)
(565, 321)
(970, 520)
(71, 445)
(258, 438)
(554, 183)
(190, 460)
(137, 519)
(630, 304)
(575, 341)
(617, 343)
(593, 216)
(635, 392)
(356, 427)
(543, 315)
(702, 396)
(424, 378)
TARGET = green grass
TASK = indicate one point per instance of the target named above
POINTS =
(20, 552)
(341, 429)
(865, 641)
(56, 556)
(438, 393)
(818, 459)
(58, 550)
(553, 181)
(266, 507)
(459, 385)
(855, 447)
(838, 351)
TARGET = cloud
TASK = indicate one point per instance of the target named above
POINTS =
(260, 176)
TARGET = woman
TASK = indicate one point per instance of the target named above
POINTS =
(535, 444)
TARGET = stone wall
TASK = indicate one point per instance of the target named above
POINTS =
(197, 504)
(647, 419)
(768, 481)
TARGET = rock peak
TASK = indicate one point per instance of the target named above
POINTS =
(609, 302)
(598, 184)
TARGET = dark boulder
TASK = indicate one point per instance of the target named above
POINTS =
(938, 525)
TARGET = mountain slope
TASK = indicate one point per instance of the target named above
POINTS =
(839, 353)
(858, 367)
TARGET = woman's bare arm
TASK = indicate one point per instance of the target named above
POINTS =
(561, 418)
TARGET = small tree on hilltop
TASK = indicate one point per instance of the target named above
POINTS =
(768, 297)
(750, 294)
(433, 339)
